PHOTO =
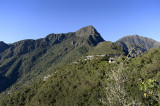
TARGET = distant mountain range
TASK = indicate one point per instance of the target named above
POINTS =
(140, 43)
(27, 61)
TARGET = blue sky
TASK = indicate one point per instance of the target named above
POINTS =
(32, 19)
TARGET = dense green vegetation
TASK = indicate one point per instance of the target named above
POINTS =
(72, 79)
(27, 61)
(107, 47)
(144, 76)
(97, 82)
(75, 84)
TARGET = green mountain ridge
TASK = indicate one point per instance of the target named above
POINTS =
(26, 61)
(72, 78)
(91, 83)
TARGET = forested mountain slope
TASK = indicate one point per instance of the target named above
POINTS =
(26, 61)
(75, 69)
(127, 81)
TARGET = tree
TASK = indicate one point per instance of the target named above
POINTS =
(115, 88)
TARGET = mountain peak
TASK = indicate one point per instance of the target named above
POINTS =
(86, 31)
(91, 34)
(1, 42)
(141, 43)
(3, 46)
(90, 27)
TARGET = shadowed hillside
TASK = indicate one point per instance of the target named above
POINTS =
(3, 46)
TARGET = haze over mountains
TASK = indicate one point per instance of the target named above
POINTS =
(25, 62)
